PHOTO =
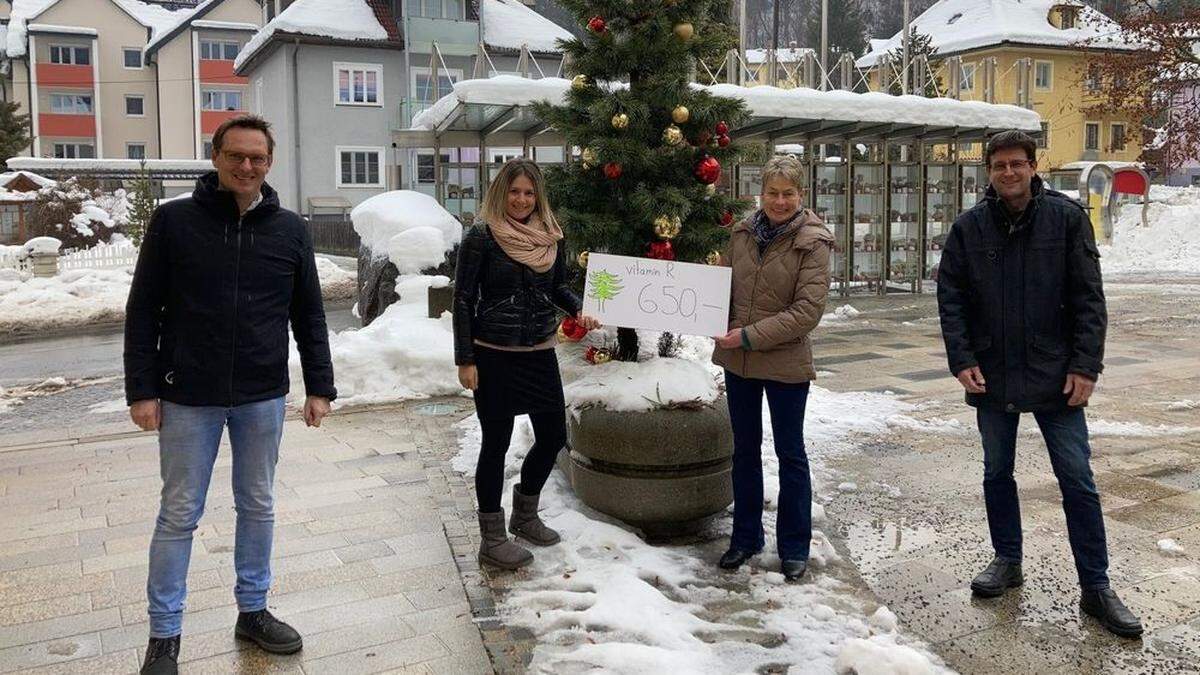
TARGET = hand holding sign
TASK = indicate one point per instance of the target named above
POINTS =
(658, 294)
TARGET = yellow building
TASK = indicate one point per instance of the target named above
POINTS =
(1021, 44)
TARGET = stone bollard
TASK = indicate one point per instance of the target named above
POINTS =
(43, 264)
(666, 472)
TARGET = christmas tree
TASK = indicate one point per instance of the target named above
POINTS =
(653, 146)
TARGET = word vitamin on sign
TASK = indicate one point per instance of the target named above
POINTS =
(657, 294)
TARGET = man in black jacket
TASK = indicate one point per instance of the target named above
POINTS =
(218, 278)
(1023, 318)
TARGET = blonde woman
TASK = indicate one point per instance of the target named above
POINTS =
(780, 261)
(509, 287)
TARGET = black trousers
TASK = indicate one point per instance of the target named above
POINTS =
(550, 435)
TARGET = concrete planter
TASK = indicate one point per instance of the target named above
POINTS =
(664, 471)
(440, 300)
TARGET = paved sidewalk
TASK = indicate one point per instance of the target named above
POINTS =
(917, 528)
(371, 550)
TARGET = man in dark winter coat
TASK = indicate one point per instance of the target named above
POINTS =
(1023, 318)
(219, 277)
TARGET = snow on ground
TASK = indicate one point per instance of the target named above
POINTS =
(603, 599)
(1171, 547)
(1170, 245)
(84, 296)
(15, 396)
(409, 227)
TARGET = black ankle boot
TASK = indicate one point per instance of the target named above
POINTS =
(735, 558)
(269, 633)
(793, 570)
(1111, 612)
(999, 576)
(162, 657)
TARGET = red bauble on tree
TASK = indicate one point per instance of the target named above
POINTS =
(571, 329)
(661, 250)
(727, 219)
(722, 128)
(708, 169)
(612, 170)
(597, 25)
(723, 140)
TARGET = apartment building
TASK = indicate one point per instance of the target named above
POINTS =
(127, 78)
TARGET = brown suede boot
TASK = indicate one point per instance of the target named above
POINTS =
(496, 548)
(525, 523)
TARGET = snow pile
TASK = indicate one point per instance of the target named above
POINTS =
(1169, 245)
(72, 298)
(1181, 406)
(1100, 427)
(957, 25)
(604, 600)
(339, 19)
(42, 245)
(624, 386)
(843, 313)
(402, 354)
(411, 228)
(509, 24)
(336, 283)
(1171, 547)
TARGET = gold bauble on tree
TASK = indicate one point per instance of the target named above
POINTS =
(684, 31)
(582, 259)
(680, 114)
(620, 121)
(713, 258)
(672, 135)
(579, 82)
(587, 158)
(667, 227)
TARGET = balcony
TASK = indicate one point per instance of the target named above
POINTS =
(214, 71)
(211, 119)
(67, 125)
(64, 75)
(454, 37)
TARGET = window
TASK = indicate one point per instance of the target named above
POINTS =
(1044, 140)
(135, 150)
(438, 9)
(359, 167)
(135, 106)
(219, 50)
(1117, 132)
(968, 77)
(358, 83)
(1091, 136)
(74, 151)
(71, 104)
(425, 174)
(1091, 81)
(78, 56)
(422, 82)
(1043, 75)
(221, 100)
(1069, 17)
(133, 58)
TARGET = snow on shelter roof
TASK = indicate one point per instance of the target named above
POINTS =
(959, 25)
(509, 24)
(337, 19)
(501, 103)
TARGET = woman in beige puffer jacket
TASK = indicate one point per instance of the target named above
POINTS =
(780, 260)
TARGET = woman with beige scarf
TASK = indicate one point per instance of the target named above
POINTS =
(509, 288)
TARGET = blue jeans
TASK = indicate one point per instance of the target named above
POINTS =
(1066, 437)
(187, 447)
(794, 523)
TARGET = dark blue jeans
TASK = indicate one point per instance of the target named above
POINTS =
(793, 528)
(1066, 438)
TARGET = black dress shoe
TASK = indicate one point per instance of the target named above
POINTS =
(269, 633)
(735, 558)
(1111, 612)
(793, 570)
(162, 657)
(999, 576)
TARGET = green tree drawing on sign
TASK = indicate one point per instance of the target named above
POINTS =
(605, 286)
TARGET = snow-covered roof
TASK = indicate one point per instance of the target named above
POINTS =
(789, 55)
(51, 28)
(337, 19)
(763, 102)
(960, 25)
(9, 176)
(57, 164)
(509, 24)
(182, 18)
(155, 17)
(224, 25)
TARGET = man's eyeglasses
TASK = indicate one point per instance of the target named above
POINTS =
(1015, 165)
(237, 158)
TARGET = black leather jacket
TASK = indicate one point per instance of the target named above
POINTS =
(501, 301)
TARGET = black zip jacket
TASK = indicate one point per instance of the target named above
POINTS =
(207, 319)
(501, 301)
(1023, 300)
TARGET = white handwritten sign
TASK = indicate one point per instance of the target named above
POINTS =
(657, 294)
